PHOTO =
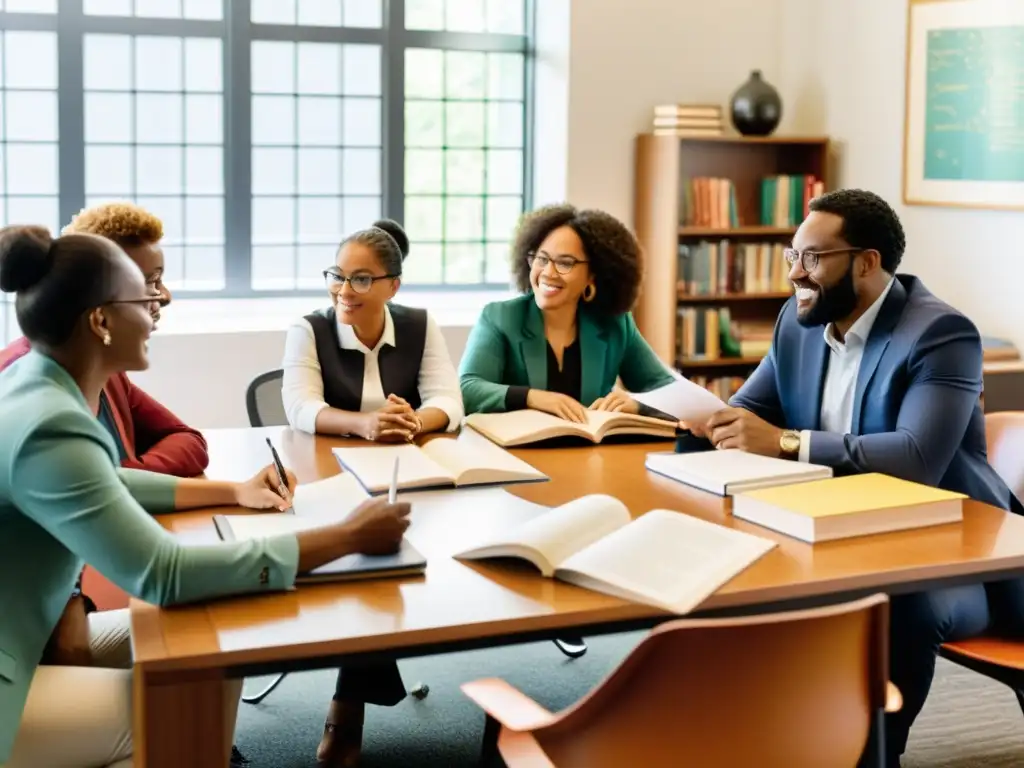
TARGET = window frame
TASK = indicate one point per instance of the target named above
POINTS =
(237, 33)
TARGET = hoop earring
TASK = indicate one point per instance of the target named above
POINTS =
(106, 339)
(589, 292)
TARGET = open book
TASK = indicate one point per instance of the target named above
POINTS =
(663, 558)
(441, 463)
(731, 471)
(528, 426)
(317, 504)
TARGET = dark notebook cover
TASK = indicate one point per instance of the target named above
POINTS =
(406, 562)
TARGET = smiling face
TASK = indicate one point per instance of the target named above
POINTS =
(559, 273)
(823, 272)
(150, 259)
(358, 285)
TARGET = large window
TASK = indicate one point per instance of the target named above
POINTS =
(263, 131)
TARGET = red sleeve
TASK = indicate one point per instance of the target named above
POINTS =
(162, 442)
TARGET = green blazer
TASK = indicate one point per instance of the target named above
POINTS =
(507, 348)
(64, 501)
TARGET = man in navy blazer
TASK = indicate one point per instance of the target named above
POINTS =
(870, 372)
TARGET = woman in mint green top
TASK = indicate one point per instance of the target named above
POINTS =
(84, 305)
(561, 346)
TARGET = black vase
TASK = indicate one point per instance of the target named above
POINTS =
(756, 107)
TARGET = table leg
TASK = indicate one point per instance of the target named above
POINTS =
(183, 720)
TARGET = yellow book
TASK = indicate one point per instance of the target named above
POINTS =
(854, 505)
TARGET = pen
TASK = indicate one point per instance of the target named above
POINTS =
(282, 484)
(393, 491)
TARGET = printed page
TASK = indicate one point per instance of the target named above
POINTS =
(560, 532)
(373, 467)
(524, 426)
(663, 558)
(472, 458)
(683, 400)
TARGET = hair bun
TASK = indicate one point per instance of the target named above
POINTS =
(394, 229)
(24, 257)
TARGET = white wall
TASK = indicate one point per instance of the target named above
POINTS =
(843, 68)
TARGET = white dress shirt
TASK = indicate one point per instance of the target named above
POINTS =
(302, 389)
(841, 375)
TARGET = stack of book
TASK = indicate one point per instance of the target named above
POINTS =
(693, 120)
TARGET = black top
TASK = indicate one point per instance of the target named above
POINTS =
(567, 380)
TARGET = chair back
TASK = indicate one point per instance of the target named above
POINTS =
(1004, 432)
(790, 690)
(263, 400)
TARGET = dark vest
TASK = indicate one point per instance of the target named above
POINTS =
(342, 369)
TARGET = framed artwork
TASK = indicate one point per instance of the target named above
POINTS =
(963, 142)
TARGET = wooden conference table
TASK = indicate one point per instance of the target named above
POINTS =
(183, 654)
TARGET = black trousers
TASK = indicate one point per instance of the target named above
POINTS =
(377, 682)
(920, 623)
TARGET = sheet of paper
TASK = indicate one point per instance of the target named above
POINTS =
(683, 400)
(331, 499)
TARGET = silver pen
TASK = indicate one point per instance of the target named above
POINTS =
(393, 491)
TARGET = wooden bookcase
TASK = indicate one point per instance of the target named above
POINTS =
(664, 166)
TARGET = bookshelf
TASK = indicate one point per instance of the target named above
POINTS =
(713, 248)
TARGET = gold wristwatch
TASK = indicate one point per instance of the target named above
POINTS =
(789, 443)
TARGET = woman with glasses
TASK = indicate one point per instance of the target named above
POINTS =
(561, 346)
(86, 309)
(367, 367)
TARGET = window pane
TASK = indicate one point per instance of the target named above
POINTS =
(30, 60)
(464, 218)
(204, 122)
(424, 73)
(174, 264)
(464, 123)
(505, 75)
(204, 171)
(31, 169)
(363, 13)
(159, 170)
(362, 70)
(464, 15)
(273, 220)
(31, 115)
(273, 67)
(424, 14)
(204, 220)
(465, 75)
(108, 7)
(362, 123)
(319, 171)
(505, 124)
(360, 212)
(108, 118)
(31, 6)
(204, 9)
(319, 68)
(273, 171)
(159, 118)
(272, 12)
(464, 171)
(158, 63)
(273, 268)
(498, 270)
(507, 17)
(320, 221)
(319, 121)
(361, 169)
(273, 120)
(424, 123)
(203, 65)
(34, 210)
(502, 216)
(464, 262)
(108, 62)
(320, 13)
(171, 211)
(109, 171)
(424, 218)
(505, 172)
(204, 269)
(424, 264)
(158, 9)
(310, 262)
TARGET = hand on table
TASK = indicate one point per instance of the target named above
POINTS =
(376, 527)
(740, 428)
(556, 404)
(616, 400)
(394, 422)
(261, 492)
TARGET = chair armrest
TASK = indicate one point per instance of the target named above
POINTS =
(509, 706)
(893, 698)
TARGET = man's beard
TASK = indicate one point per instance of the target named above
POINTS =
(832, 303)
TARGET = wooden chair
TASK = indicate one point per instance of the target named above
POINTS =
(799, 689)
(1001, 659)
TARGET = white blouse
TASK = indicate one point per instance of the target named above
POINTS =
(302, 389)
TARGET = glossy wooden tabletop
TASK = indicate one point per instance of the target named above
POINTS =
(458, 601)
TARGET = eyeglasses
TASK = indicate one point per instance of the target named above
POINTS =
(563, 264)
(809, 259)
(359, 283)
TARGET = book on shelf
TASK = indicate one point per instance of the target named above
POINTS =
(443, 462)
(710, 333)
(314, 505)
(853, 505)
(709, 268)
(785, 200)
(688, 120)
(722, 387)
(529, 426)
(731, 471)
(666, 559)
(709, 202)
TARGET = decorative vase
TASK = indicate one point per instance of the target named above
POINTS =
(756, 107)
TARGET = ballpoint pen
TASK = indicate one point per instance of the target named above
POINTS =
(282, 483)
(393, 491)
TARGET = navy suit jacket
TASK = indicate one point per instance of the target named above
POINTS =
(916, 409)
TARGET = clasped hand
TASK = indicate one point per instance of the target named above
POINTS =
(739, 428)
(395, 422)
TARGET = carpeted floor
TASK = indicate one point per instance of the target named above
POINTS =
(969, 722)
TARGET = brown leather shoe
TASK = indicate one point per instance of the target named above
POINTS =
(343, 736)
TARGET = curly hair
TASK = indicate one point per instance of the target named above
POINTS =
(125, 223)
(868, 222)
(614, 255)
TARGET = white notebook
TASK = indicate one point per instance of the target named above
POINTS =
(666, 559)
(441, 463)
(731, 471)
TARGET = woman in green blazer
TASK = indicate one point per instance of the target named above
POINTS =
(561, 346)
(84, 305)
